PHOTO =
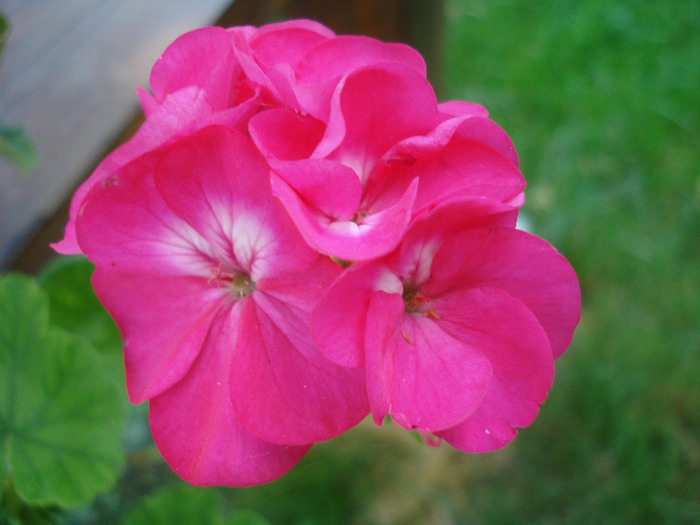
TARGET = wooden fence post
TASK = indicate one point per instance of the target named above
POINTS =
(415, 22)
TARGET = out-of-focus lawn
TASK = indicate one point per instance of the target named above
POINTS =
(602, 100)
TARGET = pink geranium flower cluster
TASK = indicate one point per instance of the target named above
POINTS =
(300, 235)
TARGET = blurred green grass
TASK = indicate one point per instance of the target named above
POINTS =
(602, 101)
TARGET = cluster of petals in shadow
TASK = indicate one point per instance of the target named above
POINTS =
(300, 235)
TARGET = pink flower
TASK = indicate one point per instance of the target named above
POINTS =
(266, 152)
(212, 288)
(457, 329)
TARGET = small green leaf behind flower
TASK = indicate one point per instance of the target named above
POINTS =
(76, 308)
(4, 30)
(61, 409)
(15, 144)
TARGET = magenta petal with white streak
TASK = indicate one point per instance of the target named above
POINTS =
(184, 112)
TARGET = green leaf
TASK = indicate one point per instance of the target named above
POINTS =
(18, 148)
(74, 305)
(4, 30)
(178, 504)
(15, 144)
(61, 410)
(14, 511)
(7, 519)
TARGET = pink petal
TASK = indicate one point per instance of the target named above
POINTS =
(178, 111)
(288, 42)
(288, 138)
(466, 167)
(418, 147)
(327, 186)
(523, 265)
(302, 290)
(197, 431)
(438, 380)
(509, 336)
(299, 24)
(462, 127)
(226, 87)
(423, 155)
(140, 245)
(282, 389)
(275, 82)
(383, 328)
(372, 236)
(269, 55)
(454, 215)
(125, 225)
(364, 102)
(148, 102)
(319, 72)
(343, 54)
(184, 111)
(389, 177)
(459, 108)
(164, 321)
(189, 60)
(338, 320)
(283, 134)
(219, 184)
(251, 68)
(489, 133)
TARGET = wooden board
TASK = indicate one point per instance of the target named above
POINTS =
(68, 77)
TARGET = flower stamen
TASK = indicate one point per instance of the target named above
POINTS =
(414, 300)
(431, 313)
(238, 283)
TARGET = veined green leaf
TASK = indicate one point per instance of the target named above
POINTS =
(75, 307)
(61, 409)
(18, 148)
